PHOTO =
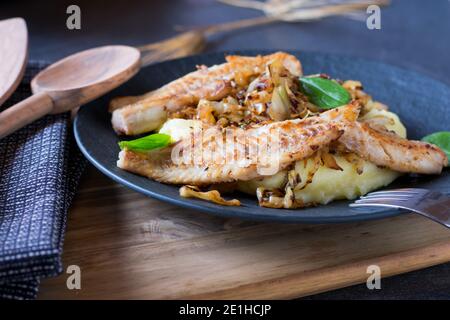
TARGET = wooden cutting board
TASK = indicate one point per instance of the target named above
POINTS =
(129, 246)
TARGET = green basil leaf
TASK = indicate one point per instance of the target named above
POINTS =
(151, 142)
(324, 93)
(440, 139)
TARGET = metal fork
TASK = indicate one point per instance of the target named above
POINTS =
(431, 204)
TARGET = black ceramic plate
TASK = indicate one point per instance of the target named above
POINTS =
(421, 102)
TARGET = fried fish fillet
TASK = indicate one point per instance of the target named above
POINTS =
(148, 112)
(297, 140)
(387, 149)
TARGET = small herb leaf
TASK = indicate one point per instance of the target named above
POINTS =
(440, 139)
(324, 93)
(151, 142)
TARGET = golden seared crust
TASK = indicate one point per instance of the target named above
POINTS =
(159, 166)
(259, 62)
(298, 139)
(389, 150)
(212, 84)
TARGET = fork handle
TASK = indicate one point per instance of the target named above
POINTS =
(436, 209)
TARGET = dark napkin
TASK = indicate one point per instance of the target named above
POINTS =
(40, 166)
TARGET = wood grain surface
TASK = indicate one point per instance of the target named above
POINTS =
(129, 246)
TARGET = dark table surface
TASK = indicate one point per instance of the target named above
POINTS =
(414, 34)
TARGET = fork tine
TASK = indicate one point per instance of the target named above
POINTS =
(379, 200)
(388, 195)
(436, 207)
(389, 192)
(399, 191)
(400, 194)
(416, 190)
(373, 204)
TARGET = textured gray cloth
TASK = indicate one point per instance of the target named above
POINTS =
(40, 166)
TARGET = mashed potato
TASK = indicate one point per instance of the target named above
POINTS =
(179, 128)
(328, 184)
(278, 180)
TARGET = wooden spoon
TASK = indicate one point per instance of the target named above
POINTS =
(72, 82)
(13, 55)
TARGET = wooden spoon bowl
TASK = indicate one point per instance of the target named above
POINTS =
(87, 75)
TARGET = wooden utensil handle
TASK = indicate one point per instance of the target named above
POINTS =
(24, 112)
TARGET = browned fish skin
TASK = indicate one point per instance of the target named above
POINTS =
(385, 148)
(299, 139)
(212, 83)
(389, 150)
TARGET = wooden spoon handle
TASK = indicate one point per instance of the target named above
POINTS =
(24, 112)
